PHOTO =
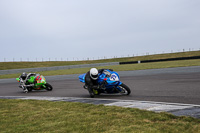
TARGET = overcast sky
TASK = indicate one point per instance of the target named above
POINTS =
(78, 29)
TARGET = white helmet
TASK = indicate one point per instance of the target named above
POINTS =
(94, 73)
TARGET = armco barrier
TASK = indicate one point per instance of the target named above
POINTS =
(12, 71)
(159, 60)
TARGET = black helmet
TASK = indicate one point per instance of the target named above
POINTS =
(24, 75)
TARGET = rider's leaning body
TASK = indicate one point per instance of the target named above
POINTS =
(91, 78)
(25, 77)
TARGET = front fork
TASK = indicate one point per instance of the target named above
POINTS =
(118, 87)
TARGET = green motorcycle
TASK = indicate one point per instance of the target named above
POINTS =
(33, 82)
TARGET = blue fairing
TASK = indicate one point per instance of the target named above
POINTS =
(82, 77)
(112, 78)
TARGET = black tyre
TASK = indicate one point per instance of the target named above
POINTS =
(49, 87)
(124, 89)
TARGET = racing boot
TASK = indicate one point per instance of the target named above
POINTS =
(25, 91)
(91, 92)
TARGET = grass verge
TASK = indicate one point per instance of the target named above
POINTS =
(46, 116)
(20, 65)
(129, 67)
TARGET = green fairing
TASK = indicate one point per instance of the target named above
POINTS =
(17, 79)
(31, 80)
(43, 82)
(38, 84)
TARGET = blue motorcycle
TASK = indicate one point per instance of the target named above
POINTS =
(109, 82)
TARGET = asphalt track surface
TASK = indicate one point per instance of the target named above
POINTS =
(173, 85)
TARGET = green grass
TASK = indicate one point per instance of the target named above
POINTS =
(63, 117)
(19, 65)
(142, 66)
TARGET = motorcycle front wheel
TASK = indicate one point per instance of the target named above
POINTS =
(125, 90)
(49, 87)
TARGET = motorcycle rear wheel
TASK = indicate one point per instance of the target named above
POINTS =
(125, 90)
(49, 87)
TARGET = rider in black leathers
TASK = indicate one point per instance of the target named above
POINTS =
(91, 79)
